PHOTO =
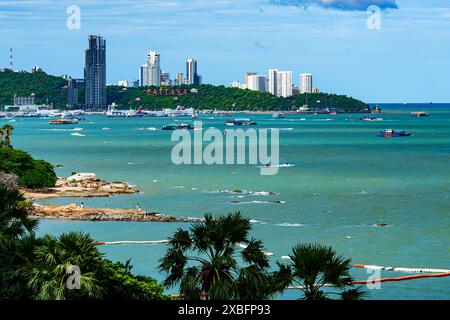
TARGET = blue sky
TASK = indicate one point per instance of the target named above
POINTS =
(408, 59)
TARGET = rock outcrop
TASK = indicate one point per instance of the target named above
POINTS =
(81, 185)
(74, 212)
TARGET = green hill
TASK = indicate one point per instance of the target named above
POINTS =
(41, 84)
(224, 98)
(54, 89)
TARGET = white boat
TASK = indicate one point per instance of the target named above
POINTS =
(114, 113)
(180, 111)
(278, 115)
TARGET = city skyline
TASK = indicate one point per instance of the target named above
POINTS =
(334, 44)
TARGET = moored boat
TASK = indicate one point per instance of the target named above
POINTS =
(391, 133)
(180, 126)
(371, 119)
(419, 114)
(279, 115)
(240, 122)
(63, 121)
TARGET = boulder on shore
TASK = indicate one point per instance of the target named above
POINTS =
(82, 185)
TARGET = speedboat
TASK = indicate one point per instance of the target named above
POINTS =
(180, 126)
(63, 121)
(371, 119)
(419, 114)
(391, 133)
(278, 115)
(240, 122)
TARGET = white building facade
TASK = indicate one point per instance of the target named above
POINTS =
(306, 83)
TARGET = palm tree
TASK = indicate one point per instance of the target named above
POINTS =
(8, 129)
(203, 261)
(49, 271)
(14, 220)
(16, 237)
(312, 267)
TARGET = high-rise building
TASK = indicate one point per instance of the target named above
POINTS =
(306, 83)
(191, 72)
(256, 82)
(135, 83)
(247, 76)
(150, 73)
(179, 79)
(284, 84)
(272, 81)
(154, 69)
(95, 73)
(122, 83)
(72, 93)
(165, 78)
(143, 79)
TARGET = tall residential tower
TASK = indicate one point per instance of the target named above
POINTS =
(306, 83)
(191, 72)
(95, 73)
(150, 73)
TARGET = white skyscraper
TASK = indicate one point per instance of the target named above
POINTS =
(154, 69)
(256, 82)
(191, 72)
(150, 73)
(306, 83)
(272, 81)
(284, 84)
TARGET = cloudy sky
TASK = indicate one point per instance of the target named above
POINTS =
(408, 59)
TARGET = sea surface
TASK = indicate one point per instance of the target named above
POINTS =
(344, 180)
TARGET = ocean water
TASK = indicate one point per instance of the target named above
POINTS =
(344, 181)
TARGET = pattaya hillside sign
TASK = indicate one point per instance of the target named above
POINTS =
(168, 92)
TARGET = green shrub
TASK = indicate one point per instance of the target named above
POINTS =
(120, 284)
(32, 173)
(41, 176)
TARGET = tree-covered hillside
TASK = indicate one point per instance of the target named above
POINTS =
(207, 96)
(41, 84)
(224, 98)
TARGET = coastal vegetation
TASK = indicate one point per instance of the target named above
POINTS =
(51, 268)
(216, 260)
(51, 89)
(45, 87)
(313, 266)
(212, 245)
(31, 173)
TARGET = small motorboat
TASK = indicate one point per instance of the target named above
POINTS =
(240, 122)
(371, 119)
(419, 114)
(391, 133)
(180, 126)
(280, 115)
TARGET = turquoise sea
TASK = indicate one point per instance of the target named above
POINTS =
(345, 181)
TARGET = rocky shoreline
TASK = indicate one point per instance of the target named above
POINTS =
(88, 185)
(78, 213)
